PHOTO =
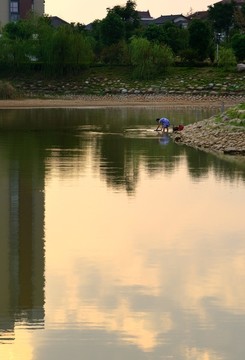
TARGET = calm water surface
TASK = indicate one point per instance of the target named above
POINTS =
(116, 243)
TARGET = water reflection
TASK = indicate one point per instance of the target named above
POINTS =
(21, 238)
(105, 119)
(144, 243)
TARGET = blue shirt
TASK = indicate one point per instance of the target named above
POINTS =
(165, 122)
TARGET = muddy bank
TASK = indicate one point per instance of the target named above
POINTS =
(124, 100)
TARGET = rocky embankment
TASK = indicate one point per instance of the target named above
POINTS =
(224, 133)
(169, 86)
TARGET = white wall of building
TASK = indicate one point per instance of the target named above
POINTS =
(39, 7)
(4, 12)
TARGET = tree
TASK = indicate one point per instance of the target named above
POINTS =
(95, 36)
(239, 18)
(129, 16)
(149, 59)
(227, 59)
(169, 34)
(112, 29)
(154, 33)
(18, 43)
(22, 29)
(26, 41)
(200, 38)
(221, 16)
(175, 37)
(119, 25)
(68, 51)
(238, 46)
(115, 54)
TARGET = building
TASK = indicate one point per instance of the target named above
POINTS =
(198, 15)
(179, 20)
(57, 21)
(145, 17)
(12, 10)
(238, 3)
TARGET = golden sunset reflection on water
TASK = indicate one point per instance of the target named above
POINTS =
(103, 246)
(120, 248)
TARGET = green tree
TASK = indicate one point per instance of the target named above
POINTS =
(25, 41)
(154, 33)
(175, 37)
(129, 16)
(149, 59)
(221, 16)
(238, 46)
(119, 25)
(44, 34)
(68, 51)
(95, 36)
(227, 59)
(112, 29)
(17, 43)
(200, 38)
(169, 34)
(22, 29)
(239, 18)
(116, 54)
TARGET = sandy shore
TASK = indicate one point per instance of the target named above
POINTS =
(131, 100)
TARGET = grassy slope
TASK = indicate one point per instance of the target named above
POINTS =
(95, 80)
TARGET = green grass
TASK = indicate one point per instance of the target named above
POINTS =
(233, 116)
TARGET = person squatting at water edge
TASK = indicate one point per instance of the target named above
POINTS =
(163, 123)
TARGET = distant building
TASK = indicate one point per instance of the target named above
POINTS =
(199, 15)
(179, 20)
(145, 17)
(13, 10)
(203, 15)
(238, 3)
(57, 21)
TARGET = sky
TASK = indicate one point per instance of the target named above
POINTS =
(86, 11)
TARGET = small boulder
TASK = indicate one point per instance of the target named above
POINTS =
(240, 67)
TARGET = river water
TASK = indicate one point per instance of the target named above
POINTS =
(115, 242)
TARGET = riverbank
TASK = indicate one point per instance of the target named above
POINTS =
(221, 134)
(124, 100)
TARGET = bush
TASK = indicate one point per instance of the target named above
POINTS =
(188, 56)
(238, 46)
(226, 59)
(7, 91)
(116, 54)
(149, 59)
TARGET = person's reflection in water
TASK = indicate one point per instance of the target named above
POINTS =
(164, 139)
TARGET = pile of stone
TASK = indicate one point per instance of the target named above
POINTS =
(220, 136)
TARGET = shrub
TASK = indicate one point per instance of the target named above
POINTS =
(7, 91)
(238, 46)
(149, 59)
(115, 54)
(227, 59)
